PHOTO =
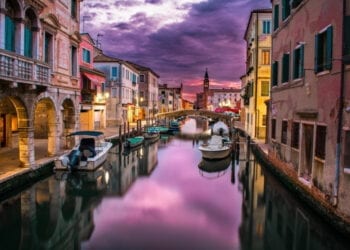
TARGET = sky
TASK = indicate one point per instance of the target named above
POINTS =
(178, 39)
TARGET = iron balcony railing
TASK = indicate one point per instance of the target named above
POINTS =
(17, 68)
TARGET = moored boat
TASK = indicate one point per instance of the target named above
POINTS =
(87, 155)
(216, 148)
(134, 142)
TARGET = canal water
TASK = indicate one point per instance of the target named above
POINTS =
(164, 196)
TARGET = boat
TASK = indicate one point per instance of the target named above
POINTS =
(211, 166)
(87, 155)
(134, 142)
(220, 128)
(174, 126)
(151, 135)
(217, 148)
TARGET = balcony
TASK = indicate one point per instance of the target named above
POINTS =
(17, 68)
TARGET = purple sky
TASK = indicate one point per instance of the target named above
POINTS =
(177, 39)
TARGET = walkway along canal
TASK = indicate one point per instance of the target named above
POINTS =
(157, 197)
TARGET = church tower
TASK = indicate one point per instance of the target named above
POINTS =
(205, 89)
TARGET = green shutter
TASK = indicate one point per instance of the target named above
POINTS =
(295, 64)
(10, 29)
(316, 66)
(276, 17)
(301, 57)
(285, 68)
(28, 42)
(329, 48)
(275, 73)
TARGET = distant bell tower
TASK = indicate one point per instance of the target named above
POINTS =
(205, 89)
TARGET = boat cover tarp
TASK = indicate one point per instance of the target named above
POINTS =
(86, 133)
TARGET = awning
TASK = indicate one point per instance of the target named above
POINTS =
(95, 79)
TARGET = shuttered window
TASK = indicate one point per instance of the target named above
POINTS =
(320, 149)
(298, 62)
(346, 148)
(285, 68)
(265, 88)
(284, 132)
(323, 50)
(295, 135)
(273, 128)
(266, 27)
(285, 9)
(10, 30)
(276, 14)
(86, 56)
(275, 73)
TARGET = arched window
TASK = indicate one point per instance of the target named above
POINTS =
(10, 26)
(28, 33)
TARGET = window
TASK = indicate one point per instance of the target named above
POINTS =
(265, 88)
(298, 62)
(74, 9)
(114, 92)
(285, 68)
(284, 132)
(320, 150)
(276, 14)
(285, 9)
(10, 27)
(273, 128)
(142, 78)
(323, 50)
(74, 61)
(264, 120)
(48, 48)
(86, 55)
(265, 57)
(274, 75)
(347, 149)
(103, 87)
(134, 78)
(266, 27)
(114, 73)
(295, 3)
(28, 35)
(295, 135)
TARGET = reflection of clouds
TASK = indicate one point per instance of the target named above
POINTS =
(174, 207)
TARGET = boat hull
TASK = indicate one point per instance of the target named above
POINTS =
(90, 164)
(212, 152)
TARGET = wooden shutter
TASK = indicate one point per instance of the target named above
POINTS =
(285, 68)
(276, 17)
(301, 56)
(316, 66)
(28, 42)
(329, 47)
(10, 34)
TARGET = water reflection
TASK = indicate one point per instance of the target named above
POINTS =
(155, 197)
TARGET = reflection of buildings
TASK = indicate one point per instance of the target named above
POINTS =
(149, 159)
(253, 205)
(53, 214)
(288, 225)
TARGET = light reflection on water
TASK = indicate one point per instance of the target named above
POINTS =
(163, 196)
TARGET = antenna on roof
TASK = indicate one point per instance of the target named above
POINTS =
(98, 43)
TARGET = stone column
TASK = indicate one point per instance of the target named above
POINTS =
(53, 140)
(26, 147)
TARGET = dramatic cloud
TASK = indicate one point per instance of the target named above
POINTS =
(177, 40)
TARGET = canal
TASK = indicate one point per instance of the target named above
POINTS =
(164, 196)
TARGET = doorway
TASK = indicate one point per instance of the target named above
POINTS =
(307, 151)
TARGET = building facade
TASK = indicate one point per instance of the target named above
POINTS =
(92, 85)
(122, 85)
(170, 98)
(225, 97)
(256, 83)
(309, 125)
(39, 80)
(148, 92)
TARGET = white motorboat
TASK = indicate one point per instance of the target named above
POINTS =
(217, 148)
(88, 154)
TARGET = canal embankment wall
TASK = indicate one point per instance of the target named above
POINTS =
(308, 195)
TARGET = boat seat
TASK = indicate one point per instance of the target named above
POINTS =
(87, 147)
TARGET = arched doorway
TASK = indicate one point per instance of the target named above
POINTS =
(45, 129)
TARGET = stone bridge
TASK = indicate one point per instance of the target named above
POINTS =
(201, 112)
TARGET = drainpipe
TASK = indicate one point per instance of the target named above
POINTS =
(340, 115)
(256, 75)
